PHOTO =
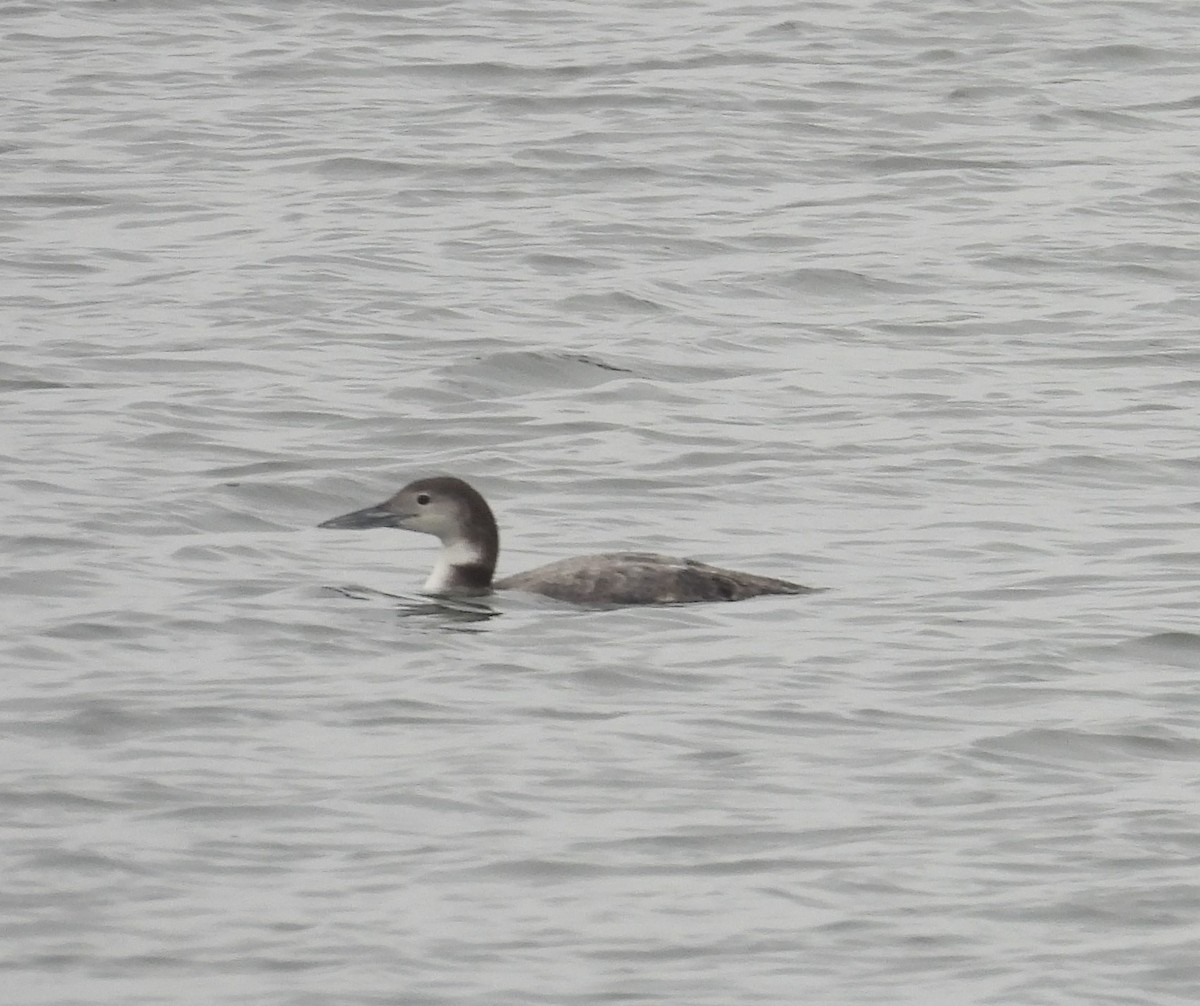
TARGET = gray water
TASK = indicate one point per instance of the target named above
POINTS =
(896, 299)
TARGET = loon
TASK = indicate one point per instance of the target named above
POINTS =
(454, 512)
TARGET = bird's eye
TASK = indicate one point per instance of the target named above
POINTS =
(423, 498)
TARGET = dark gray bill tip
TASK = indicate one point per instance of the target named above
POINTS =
(372, 516)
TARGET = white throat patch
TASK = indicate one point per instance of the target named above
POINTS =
(458, 553)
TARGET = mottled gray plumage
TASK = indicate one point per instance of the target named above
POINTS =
(460, 517)
(642, 578)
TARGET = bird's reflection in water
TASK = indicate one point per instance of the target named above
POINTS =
(451, 611)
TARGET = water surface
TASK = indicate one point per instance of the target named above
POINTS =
(895, 300)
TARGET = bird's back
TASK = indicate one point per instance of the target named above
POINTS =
(642, 578)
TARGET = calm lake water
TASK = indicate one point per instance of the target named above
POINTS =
(892, 299)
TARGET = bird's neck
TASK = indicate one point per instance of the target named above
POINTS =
(462, 567)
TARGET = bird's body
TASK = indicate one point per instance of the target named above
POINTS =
(455, 512)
